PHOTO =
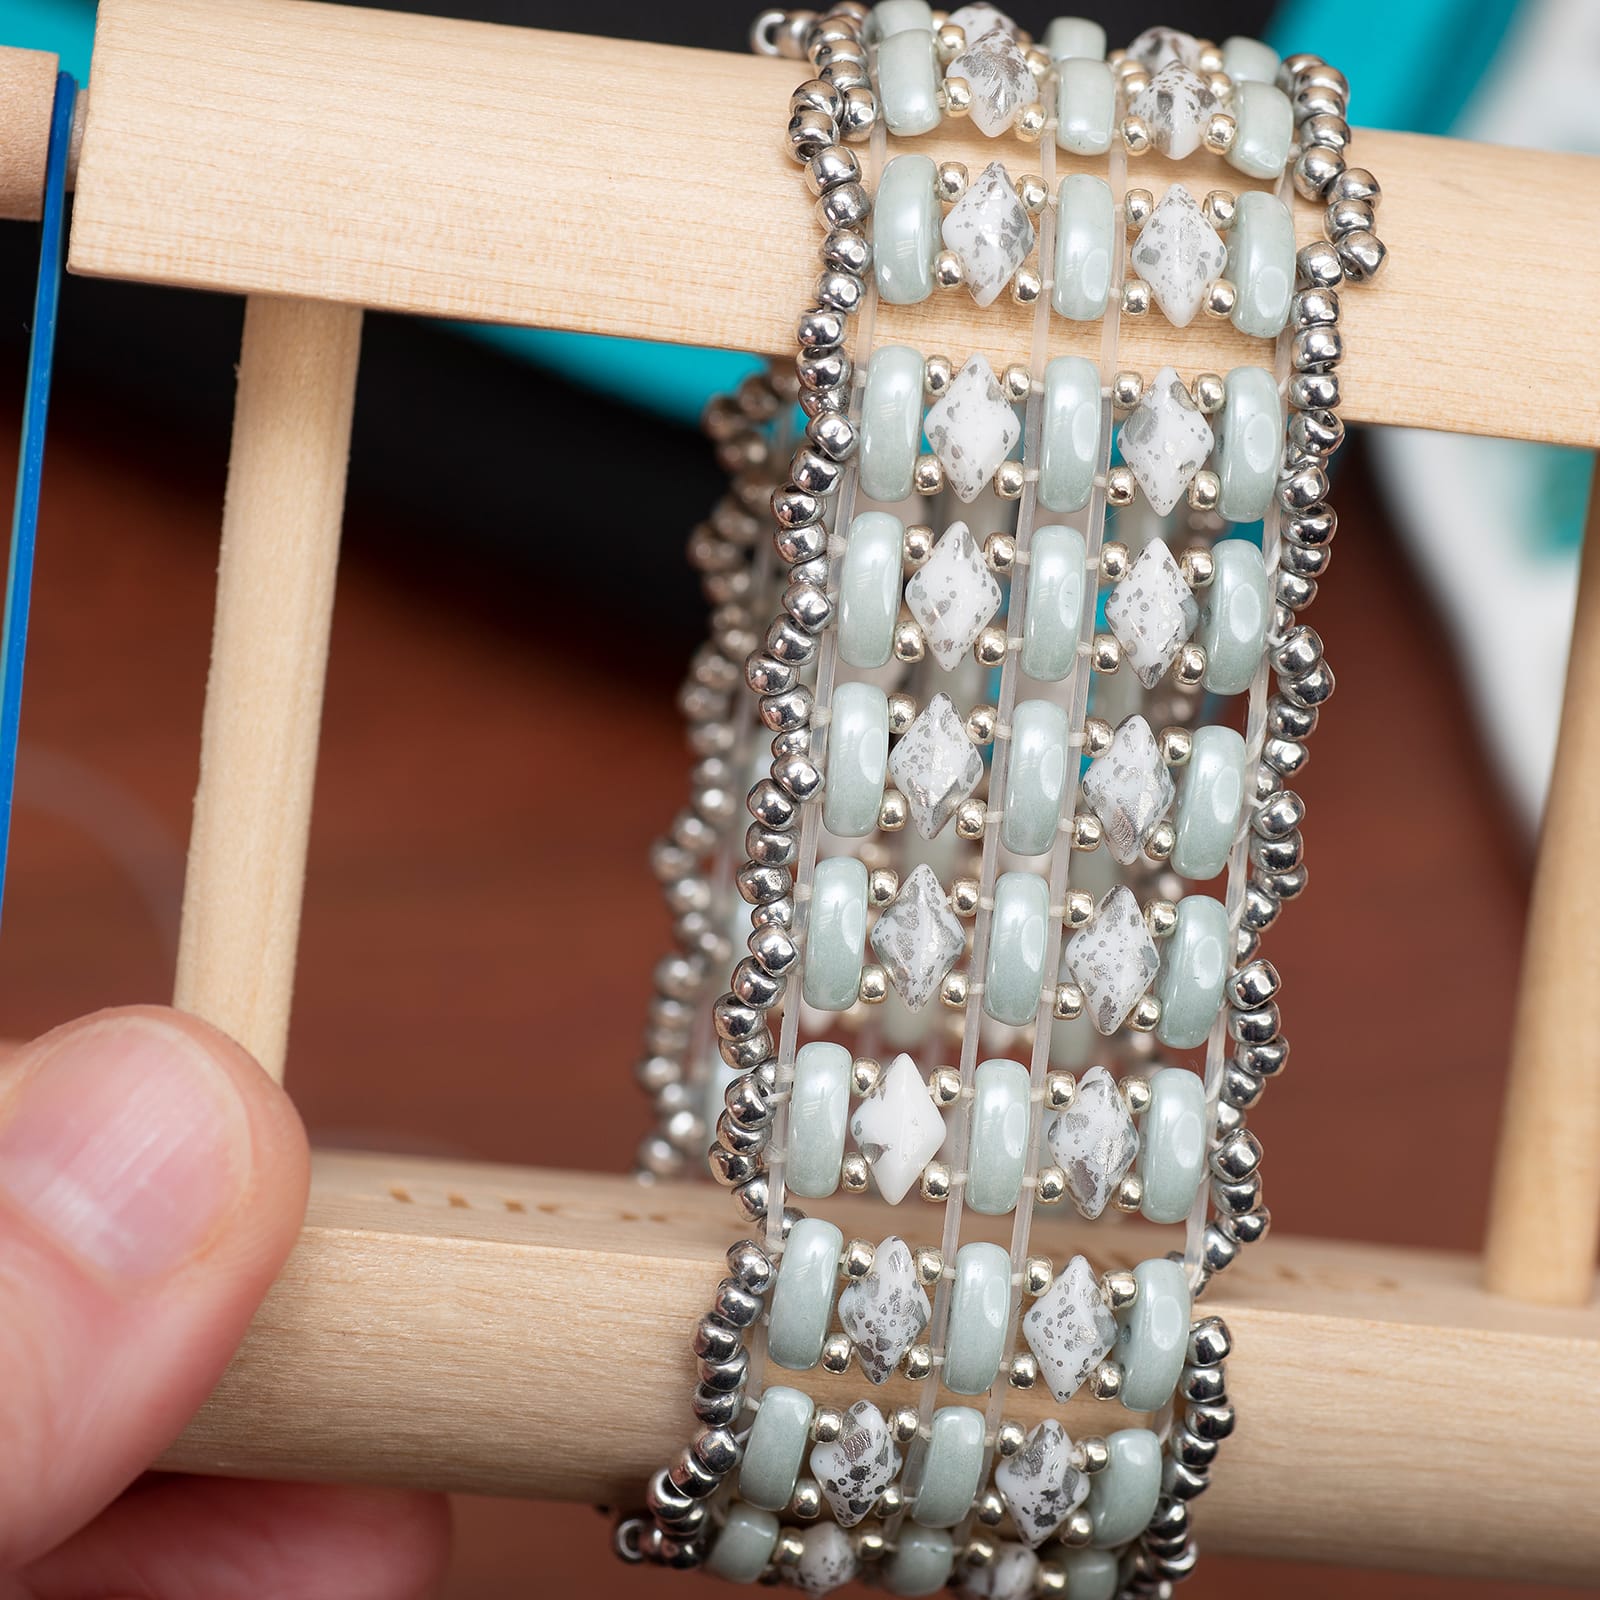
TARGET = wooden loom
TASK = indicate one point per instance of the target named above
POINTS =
(1398, 1407)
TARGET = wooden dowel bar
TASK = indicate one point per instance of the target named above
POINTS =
(507, 1331)
(502, 174)
(27, 93)
(1544, 1218)
(258, 753)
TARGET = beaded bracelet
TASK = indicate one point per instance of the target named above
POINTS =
(1041, 948)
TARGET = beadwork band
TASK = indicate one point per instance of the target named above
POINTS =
(1003, 747)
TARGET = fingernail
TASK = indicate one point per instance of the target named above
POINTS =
(127, 1145)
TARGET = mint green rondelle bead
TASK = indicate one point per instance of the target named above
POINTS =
(1069, 439)
(802, 1299)
(921, 1562)
(744, 1544)
(980, 1307)
(1249, 443)
(1123, 1495)
(1194, 967)
(1261, 263)
(869, 589)
(1264, 132)
(819, 1109)
(1014, 972)
(1209, 802)
(1172, 1144)
(858, 759)
(1249, 61)
(908, 82)
(997, 1153)
(1068, 38)
(776, 1447)
(1235, 608)
(1036, 775)
(1091, 1574)
(1055, 603)
(1153, 1336)
(905, 230)
(1086, 106)
(952, 1467)
(1085, 236)
(891, 422)
(901, 16)
(836, 933)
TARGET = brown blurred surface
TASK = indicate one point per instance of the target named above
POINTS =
(480, 926)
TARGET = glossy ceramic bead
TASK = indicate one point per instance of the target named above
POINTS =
(1091, 1574)
(1264, 130)
(869, 589)
(905, 230)
(1249, 61)
(900, 16)
(1261, 263)
(744, 1544)
(1172, 1144)
(1069, 443)
(1068, 38)
(1235, 609)
(858, 758)
(1085, 237)
(998, 1149)
(836, 933)
(1086, 106)
(921, 1562)
(802, 1299)
(1036, 774)
(952, 1468)
(776, 1447)
(1123, 1495)
(1055, 604)
(1209, 802)
(819, 1108)
(1249, 443)
(980, 1305)
(891, 422)
(1194, 966)
(908, 82)
(1154, 1334)
(1014, 972)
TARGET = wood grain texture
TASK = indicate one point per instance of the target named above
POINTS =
(1544, 1217)
(435, 1318)
(506, 175)
(27, 92)
(258, 743)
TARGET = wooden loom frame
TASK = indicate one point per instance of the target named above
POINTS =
(355, 159)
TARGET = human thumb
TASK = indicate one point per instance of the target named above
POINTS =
(152, 1181)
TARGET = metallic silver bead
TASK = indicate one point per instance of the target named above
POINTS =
(1265, 1060)
(1316, 349)
(819, 329)
(717, 1450)
(1277, 855)
(1288, 721)
(1255, 984)
(739, 1139)
(1356, 183)
(802, 543)
(1301, 488)
(1287, 886)
(759, 885)
(1217, 1250)
(689, 1474)
(1205, 1385)
(830, 167)
(1261, 1024)
(1362, 254)
(1192, 1450)
(770, 847)
(1250, 1227)
(833, 434)
(842, 291)
(837, 1351)
(809, 132)
(1326, 129)
(751, 1198)
(847, 250)
(1237, 1156)
(1184, 1482)
(799, 777)
(1294, 591)
(731, 1168)
(806, 1501)
(1318, 265)
(1209, 1342)
(1345, 217)
(1209, 1422)
(1310, 688)
(860, 112)
(1316, 169)
(1314, 391)
(1240, 1088)
(845, 206)
(808, 605)
(736, 1304)
(1278, 818)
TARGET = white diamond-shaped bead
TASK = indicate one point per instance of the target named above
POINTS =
(953, 595)
(1069, 1329)
(1177, 104)
(1152, 611)
(828, 1559)
(898, 1129)
(1165, 440)
(1094, 1142)
(1178, 253)
(918, 937)
(1129, 788)
(1156, 48)
(990, 230)
(935, 765)
(854, 1469)
(1000, 79)
(1113, 959)
(1040, 1485)
(977, 20)
(885, 1311)
(972, 428)
(1010, 1576)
